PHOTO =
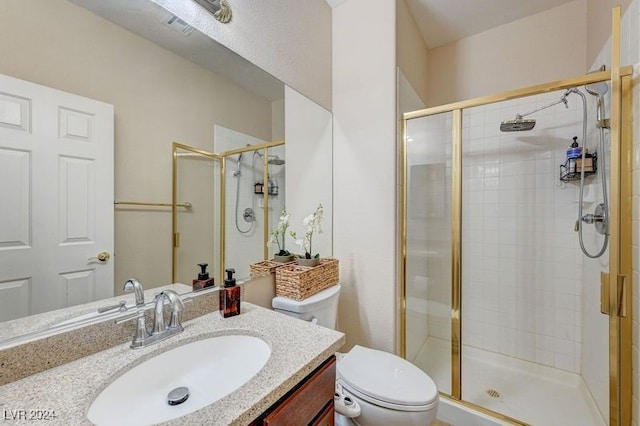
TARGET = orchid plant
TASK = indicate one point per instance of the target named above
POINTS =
(313, 222)
(279, 234)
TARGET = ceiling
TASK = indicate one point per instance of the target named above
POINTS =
(445, 21)
(439, 21)
(149, 20)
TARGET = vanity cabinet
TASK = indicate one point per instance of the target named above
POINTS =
(310, 402)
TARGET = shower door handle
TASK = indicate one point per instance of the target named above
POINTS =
(621, 295)
(605, 301)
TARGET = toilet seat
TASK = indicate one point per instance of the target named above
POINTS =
(386, 380)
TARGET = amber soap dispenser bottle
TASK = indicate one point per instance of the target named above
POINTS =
(203, 280)
(230, 296)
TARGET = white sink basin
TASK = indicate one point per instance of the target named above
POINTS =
(210, 368)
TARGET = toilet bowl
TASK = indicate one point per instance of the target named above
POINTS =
(373, 388)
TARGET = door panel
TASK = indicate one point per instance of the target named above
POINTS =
(56, 198)
(15, 198)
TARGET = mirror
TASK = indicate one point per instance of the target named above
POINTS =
(102, 50)
(234, 203)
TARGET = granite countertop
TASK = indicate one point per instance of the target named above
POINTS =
(297, 348)
(39, 323)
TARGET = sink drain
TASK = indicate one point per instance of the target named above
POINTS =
(493, 393)
(178, 396)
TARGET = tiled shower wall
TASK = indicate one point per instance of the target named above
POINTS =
(521, 269)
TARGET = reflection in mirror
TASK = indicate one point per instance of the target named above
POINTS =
(309, 156)
(167, 82)
(251, 190)
(234, 235)
(197, 180)
(158, 96)
(246, 188)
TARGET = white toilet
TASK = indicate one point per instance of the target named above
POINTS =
(373, 388)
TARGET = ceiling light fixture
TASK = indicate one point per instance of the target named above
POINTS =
(220, 9)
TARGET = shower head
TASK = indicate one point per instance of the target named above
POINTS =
(518, 125)
(599, 89)
(236, 172)
(276, 161)
(272, 158)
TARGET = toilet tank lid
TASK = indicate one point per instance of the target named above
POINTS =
(309, 304)
(387, 378)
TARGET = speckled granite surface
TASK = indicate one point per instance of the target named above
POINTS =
(297, 349)
(33, 323)
(35, 354)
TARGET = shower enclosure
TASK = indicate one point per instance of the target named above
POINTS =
(235, 199)
(501, 307)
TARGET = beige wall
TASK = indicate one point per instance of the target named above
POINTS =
(548, 46)
(158, 96)
(289, 39)
(411, 52)
(599, 24)
(364, 152)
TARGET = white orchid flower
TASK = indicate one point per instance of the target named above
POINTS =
(313, 223)
(278, 236)
(307, 220)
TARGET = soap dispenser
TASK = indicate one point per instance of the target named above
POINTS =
(573, 153)
(230, 296)
(203, 280)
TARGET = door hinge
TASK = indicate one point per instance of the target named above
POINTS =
(176, 239)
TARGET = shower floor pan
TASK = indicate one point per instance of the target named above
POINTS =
(536, 394)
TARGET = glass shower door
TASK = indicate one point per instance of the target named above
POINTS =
(198, 225)
(428, 256)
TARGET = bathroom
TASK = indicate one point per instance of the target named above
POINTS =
(345, 73)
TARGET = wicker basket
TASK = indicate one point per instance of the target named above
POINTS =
(265, 267)
(299, 282)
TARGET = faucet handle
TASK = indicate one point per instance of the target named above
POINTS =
(121, 306)
(141, 334)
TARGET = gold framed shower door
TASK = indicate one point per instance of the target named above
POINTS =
(221, 157)
(618, 290)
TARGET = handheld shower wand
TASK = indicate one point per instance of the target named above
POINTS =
(600, 218)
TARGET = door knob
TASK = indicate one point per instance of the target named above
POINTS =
(103, 256)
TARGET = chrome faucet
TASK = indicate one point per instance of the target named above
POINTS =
(142, 337)
(133, 285)
(177, 306)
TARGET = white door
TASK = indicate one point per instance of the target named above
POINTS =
(56, 199)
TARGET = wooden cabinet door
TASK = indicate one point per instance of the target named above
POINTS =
(327, 418)
(310, 402)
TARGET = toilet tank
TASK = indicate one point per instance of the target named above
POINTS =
(321, 308)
